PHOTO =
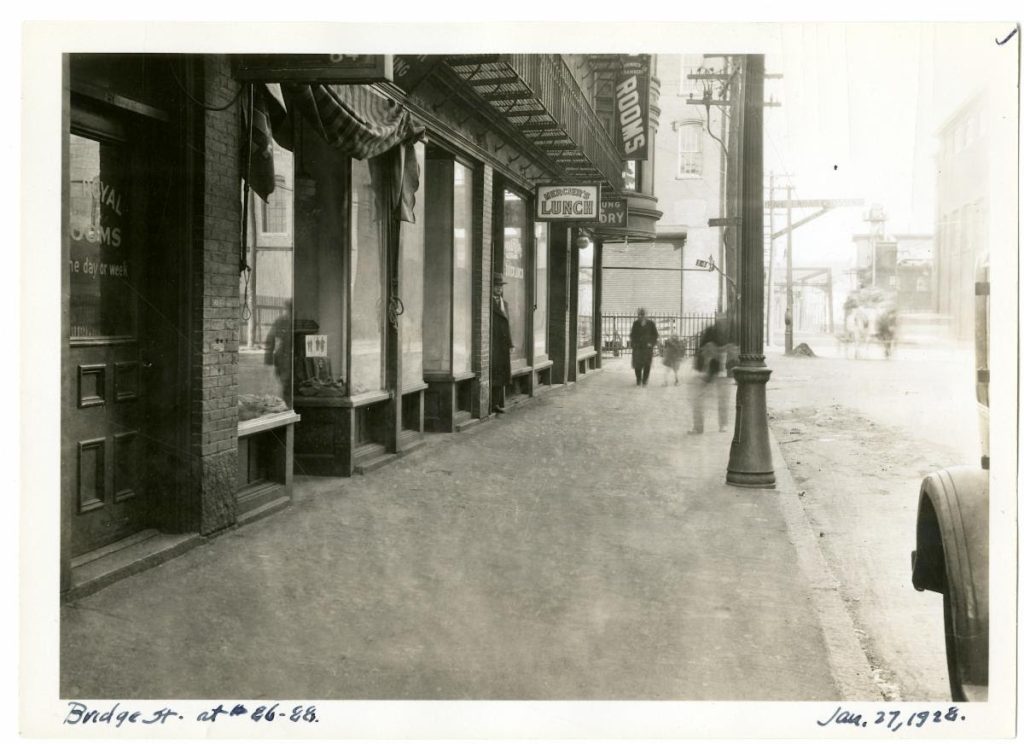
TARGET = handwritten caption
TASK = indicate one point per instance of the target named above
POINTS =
(893, 720)
(118, 716)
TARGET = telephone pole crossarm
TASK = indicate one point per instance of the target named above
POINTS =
(781, 204)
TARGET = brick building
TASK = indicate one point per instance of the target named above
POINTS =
(284, 265)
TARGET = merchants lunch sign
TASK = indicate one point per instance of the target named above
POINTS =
(557, 202)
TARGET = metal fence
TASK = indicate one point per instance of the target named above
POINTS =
(615, 330)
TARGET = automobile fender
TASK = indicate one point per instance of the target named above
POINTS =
(952, 557)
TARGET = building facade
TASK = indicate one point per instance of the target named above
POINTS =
(962, 203)
(697, 97)
(285, 265)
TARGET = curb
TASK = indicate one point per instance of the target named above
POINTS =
(852, 673)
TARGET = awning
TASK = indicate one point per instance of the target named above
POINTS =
(354, 119)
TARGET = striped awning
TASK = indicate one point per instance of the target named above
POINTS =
(353, 119)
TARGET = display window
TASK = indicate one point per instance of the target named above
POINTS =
(515, 264)
(462, 271)
(367, 256)
(413, 242)
(266, 334)
(540, 294)
(585, 304)
(448, 294)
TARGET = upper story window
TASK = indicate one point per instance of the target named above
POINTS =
(691, 155)
(630, 175)
(274, 217)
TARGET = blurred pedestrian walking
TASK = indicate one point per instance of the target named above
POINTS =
(672, 353)
(715, 353)
(642, 338)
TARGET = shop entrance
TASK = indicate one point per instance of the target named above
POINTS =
(103, 408)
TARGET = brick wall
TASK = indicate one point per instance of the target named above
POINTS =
(215, 307)
(483, 214)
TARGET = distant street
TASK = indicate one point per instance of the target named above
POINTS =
(858, 435)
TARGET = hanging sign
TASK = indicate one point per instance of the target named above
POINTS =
(321, 68)
(410, 69)
(614, 212)
(632, 106)
(559, 202)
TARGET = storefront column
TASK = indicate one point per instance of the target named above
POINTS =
(598, 281)
(392, 336)
(559, 316)
(215, 325)
(574, 304)
(483, 240)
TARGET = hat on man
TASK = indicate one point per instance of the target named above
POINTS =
(498, 279)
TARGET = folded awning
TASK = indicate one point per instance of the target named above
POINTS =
(351, 118)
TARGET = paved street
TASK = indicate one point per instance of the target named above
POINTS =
(858, 436)
(579, 547)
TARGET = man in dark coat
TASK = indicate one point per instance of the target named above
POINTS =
(501, 345)
(642, 338)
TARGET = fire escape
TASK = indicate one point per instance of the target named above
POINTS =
(541, 101)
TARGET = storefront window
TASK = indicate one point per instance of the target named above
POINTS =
(102, 299)
(412, 284)
(437, 290)
(585, 307)
(540, 301)
(462, 276)
(369, 210)
(265, 293)
(515, 263)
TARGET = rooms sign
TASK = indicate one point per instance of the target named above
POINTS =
(560, 202)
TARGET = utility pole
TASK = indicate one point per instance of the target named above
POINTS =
(789, 269)
(731, 109)
(771, 261)
(750, 457)
(823, 205)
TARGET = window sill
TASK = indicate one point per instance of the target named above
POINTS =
(263, 423)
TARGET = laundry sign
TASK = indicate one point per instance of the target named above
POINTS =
(557, 202)
(614, 212)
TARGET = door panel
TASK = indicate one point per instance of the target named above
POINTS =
(103, 423)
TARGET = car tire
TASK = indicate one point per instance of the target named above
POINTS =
(956, 688)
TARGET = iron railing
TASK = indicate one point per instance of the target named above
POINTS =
(615, 330)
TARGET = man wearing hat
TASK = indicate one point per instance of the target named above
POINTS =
(501, 345)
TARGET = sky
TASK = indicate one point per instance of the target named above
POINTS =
(861, 105)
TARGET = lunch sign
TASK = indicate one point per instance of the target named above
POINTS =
(562, 202)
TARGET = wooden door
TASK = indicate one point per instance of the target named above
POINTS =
(103, 409)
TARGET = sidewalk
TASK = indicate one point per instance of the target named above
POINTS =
(580, 547)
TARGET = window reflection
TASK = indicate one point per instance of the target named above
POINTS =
(585, 312)
(266, 338)
(515, 264)
(367, 275)
(540, 314)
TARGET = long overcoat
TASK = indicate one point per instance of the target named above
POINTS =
(501, 346)
(642, 338)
